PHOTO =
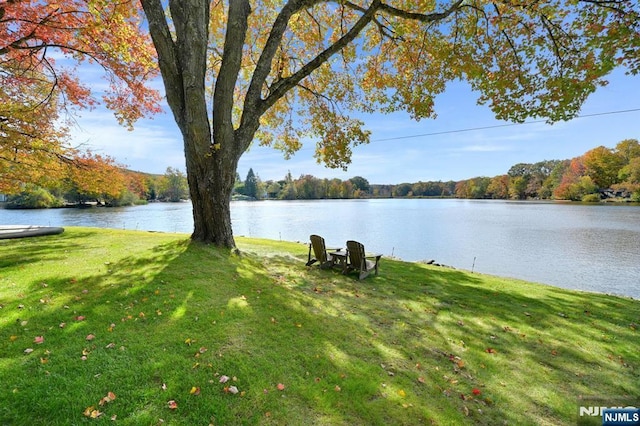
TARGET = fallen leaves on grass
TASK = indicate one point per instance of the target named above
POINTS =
(38, 340)
(195, 390)
(172, 404)
(85, 352)
(108, 398)
(92, 413)
(280, 386)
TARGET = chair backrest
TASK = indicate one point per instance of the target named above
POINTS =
(356, 255)
(319, 248)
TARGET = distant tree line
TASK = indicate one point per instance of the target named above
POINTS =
(599, 173)
(306, 187)
(102, 184)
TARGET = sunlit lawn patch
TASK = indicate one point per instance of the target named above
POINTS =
(144, 328)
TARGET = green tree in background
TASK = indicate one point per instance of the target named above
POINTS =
(360, 184)
(251, 185)
(173, 185)
(289, 191)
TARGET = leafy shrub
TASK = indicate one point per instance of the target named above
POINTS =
(33, 198)
(591, 198)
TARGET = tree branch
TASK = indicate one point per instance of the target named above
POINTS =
(284, 85)
(253, 97)
(223, 95)
(167, 55)
(431, 17)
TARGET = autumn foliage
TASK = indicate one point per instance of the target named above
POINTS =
(40, 45)
(614, 172)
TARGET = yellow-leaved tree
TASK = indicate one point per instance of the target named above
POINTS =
(281, 70)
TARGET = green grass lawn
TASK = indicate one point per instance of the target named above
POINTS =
(147, 328)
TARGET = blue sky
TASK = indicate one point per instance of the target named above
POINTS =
(397, 153)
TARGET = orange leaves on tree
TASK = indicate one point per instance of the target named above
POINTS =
(96, 176)
(36, 84)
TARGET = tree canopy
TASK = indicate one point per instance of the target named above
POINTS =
(285, 71)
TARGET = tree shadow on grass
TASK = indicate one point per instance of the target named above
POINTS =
(405, 347)
(33, 249)
(524, 347)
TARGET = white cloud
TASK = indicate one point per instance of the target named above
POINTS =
(151, 147)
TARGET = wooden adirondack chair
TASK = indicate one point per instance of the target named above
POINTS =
(359, 261)
(324, 259)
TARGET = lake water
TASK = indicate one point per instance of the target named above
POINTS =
(582, 247)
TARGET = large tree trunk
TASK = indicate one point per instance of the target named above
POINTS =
(211, 167)
(211, 182)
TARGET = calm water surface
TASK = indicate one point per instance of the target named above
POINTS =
(583, 247)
